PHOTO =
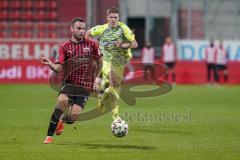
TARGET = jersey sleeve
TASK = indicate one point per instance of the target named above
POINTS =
(98, 30)
(127, 32)
(61, 56)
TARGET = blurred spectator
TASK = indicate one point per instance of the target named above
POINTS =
(169, 57)
(148, 55)
(221, 62)
(210, 53)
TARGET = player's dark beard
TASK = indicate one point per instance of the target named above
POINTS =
(78, 38)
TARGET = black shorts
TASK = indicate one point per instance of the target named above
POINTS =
(221, 67)
(211, 66)
(76, 95)
(170, 65)
(148, 67)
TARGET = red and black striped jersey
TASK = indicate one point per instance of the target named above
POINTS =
(79, 62)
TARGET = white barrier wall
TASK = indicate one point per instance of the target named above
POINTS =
(194, 50)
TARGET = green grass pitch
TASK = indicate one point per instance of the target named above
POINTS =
(190, 123)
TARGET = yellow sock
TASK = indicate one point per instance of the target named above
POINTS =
(113, 103)
(115, 113)
(115, 106)
(113, 90)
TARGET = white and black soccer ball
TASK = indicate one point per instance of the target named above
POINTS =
(119, 128)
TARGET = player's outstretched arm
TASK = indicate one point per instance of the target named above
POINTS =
(53, 66)
(99, 68)
(88, 34)
(97, 75)
(134, 44)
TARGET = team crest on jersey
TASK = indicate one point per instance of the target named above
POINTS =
(70, 52)
(86, 50)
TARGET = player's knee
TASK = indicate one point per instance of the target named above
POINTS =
(62, 101)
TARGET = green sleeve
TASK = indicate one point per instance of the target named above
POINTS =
(127, 32)
(98, 30)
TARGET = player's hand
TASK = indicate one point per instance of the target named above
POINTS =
(124, 45)
(45, 60)
(118, 44)
(97, 84)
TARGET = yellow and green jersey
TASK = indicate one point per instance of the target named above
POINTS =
(107, 37)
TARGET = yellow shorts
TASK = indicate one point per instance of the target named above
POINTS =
(117, 70)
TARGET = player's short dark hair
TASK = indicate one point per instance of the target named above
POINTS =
(76, 19)
(112, 10)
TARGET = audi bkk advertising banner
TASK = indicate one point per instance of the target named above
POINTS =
(19, 61)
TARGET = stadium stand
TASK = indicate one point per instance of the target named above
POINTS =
(29, 18)
(210, 17)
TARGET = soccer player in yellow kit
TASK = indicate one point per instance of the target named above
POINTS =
(115, 41)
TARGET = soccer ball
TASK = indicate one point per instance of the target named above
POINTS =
(119, 128)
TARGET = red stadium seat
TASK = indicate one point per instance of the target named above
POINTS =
(3, 15)
(40, 16)
(16, 4)
(3, 26)
(28, 26)
(15, 15)
(52, 35)
(3, 34)
(16, 26)
(27, 4)
(41, 34)
(15, 34)
(27, 35)
(52, 5)
(52, 26)
(27, 15)
(4, 4)
(40, 4)
(52, 15)
(41, 26)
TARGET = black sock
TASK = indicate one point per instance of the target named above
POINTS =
(174, 77)
(225, 78)
(54, 121)
(217, 78)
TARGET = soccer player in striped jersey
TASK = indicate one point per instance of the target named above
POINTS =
(80, 62)
(115, 41)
